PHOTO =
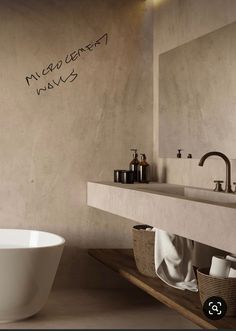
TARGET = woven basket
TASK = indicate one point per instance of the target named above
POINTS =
(215, 286)
(143, 246)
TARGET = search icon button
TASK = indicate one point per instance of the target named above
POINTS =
(215, 308)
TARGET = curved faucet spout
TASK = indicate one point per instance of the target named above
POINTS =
(228, 168)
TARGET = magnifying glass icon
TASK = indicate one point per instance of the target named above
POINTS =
(215, 308)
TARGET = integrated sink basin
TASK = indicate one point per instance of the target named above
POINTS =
(210, 196)
(188, 192)
(162, 188)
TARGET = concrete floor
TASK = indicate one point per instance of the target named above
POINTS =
(103, 308)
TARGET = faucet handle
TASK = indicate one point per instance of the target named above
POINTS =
(218, 187)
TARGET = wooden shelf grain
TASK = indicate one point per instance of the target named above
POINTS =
(185, 302)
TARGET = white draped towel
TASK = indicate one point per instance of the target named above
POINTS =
(173, 260)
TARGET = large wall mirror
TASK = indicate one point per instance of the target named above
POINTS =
(197, 96)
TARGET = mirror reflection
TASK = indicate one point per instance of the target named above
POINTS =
(197, 96)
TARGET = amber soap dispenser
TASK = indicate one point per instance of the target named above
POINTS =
(143, 170)
(134, 165)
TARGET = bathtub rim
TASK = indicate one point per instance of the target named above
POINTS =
(59, 244)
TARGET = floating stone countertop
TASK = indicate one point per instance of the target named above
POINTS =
(170, 208)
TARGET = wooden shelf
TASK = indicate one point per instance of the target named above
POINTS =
(185, 302)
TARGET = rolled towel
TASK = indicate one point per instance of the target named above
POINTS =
(232, 258)
(219, 267)
(232, 273)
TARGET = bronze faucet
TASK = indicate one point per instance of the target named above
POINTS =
(228, 168)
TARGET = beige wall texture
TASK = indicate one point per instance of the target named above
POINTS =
(175, 23)
(95, 104)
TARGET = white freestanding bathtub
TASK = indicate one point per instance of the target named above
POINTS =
(28, 265)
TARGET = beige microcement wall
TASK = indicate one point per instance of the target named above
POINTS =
(76, 95)
(175, 23)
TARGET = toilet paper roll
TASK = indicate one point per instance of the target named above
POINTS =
(232, 273)
(219, 267)
(232, 258)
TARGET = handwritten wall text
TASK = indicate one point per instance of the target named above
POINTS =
(56, 66)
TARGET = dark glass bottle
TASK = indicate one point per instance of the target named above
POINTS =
(143, 170)
(134, 164)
